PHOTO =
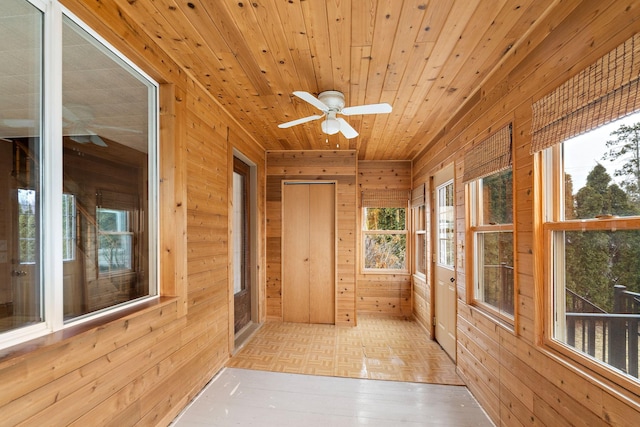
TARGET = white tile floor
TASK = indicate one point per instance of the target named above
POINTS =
(242, 397)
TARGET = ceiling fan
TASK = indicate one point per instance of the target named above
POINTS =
(331, 103)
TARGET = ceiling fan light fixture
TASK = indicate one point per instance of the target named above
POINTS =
(330, 126)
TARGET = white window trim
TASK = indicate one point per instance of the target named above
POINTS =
(51, 181)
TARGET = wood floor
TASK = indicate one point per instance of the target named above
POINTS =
(243, 397)
(383, 348)
(291, 374)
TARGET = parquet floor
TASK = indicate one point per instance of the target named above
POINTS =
(383, 348)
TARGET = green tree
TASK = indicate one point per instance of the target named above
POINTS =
(626, 147)
(598, 260)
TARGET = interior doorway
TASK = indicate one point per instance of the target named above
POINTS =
(308, 251)
(444, 250)
(244, 249)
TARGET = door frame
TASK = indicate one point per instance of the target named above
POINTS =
(335, 241)
(448, 170)
(253, 244)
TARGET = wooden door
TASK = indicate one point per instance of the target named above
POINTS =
(308, 252)
(241, 245)
(444, 268)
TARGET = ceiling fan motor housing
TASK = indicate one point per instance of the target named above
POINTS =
(332, 99)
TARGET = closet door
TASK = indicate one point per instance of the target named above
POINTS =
(322, 275)
(295, 253)
(308, 253)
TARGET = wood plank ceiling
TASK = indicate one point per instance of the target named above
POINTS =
(426, 58)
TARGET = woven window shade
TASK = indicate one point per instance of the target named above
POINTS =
(489, 156)
(605, 91)
(417, 196)
(385, 198)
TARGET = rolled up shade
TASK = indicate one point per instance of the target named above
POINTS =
(489, 156)
(417, 196)
(385, 198)
(603, 92)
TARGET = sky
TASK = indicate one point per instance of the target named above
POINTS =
(583, 152)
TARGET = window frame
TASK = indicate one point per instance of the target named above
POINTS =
(475, 228)
(365, 233)
(51, 179)
(419, 218)
(549, 163)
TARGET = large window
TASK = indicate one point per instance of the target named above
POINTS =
(589, 137)
(593, 227)
(491, 218)
(80, 230)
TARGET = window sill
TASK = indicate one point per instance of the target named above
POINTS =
(387, 272)
(62, 336)
(508, 325)
(609, 380)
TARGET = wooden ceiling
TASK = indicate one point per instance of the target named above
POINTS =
(424, 57)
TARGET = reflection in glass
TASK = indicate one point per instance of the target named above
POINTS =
(21, 27)
(105, 119)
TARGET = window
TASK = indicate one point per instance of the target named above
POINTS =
(591, 213)
(81, 164)
(384, 230)
(27, 226)
(419, 217)
(488, 175)
(68, 227)
(385, 238)
(115, 241)
(593, 228)
(492, 229)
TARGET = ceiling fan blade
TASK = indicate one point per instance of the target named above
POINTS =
(97, 140)
(19, 123)
(306, 96)
(299, 121)
(346, 129)
(92, 138)
(367, 109)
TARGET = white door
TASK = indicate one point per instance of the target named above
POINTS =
(444, 251)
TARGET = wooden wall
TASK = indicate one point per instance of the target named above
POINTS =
(340, 166)
(515, 379)
(144, 365)
(378, 292)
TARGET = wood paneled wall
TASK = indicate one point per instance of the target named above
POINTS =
(339, 166)
(515, 379)
(144, 365)
(378, 292)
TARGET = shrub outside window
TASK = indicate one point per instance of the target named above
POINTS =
(385, 238)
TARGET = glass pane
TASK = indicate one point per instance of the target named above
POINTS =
(445, 212)
(497, 198)
(21, 90)
(598, 311)
(494, 258)
(106, 115)
(238, 232)
(421, 253)
(384, 218)
(68, 227)
(602, 171)
(385, 251)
